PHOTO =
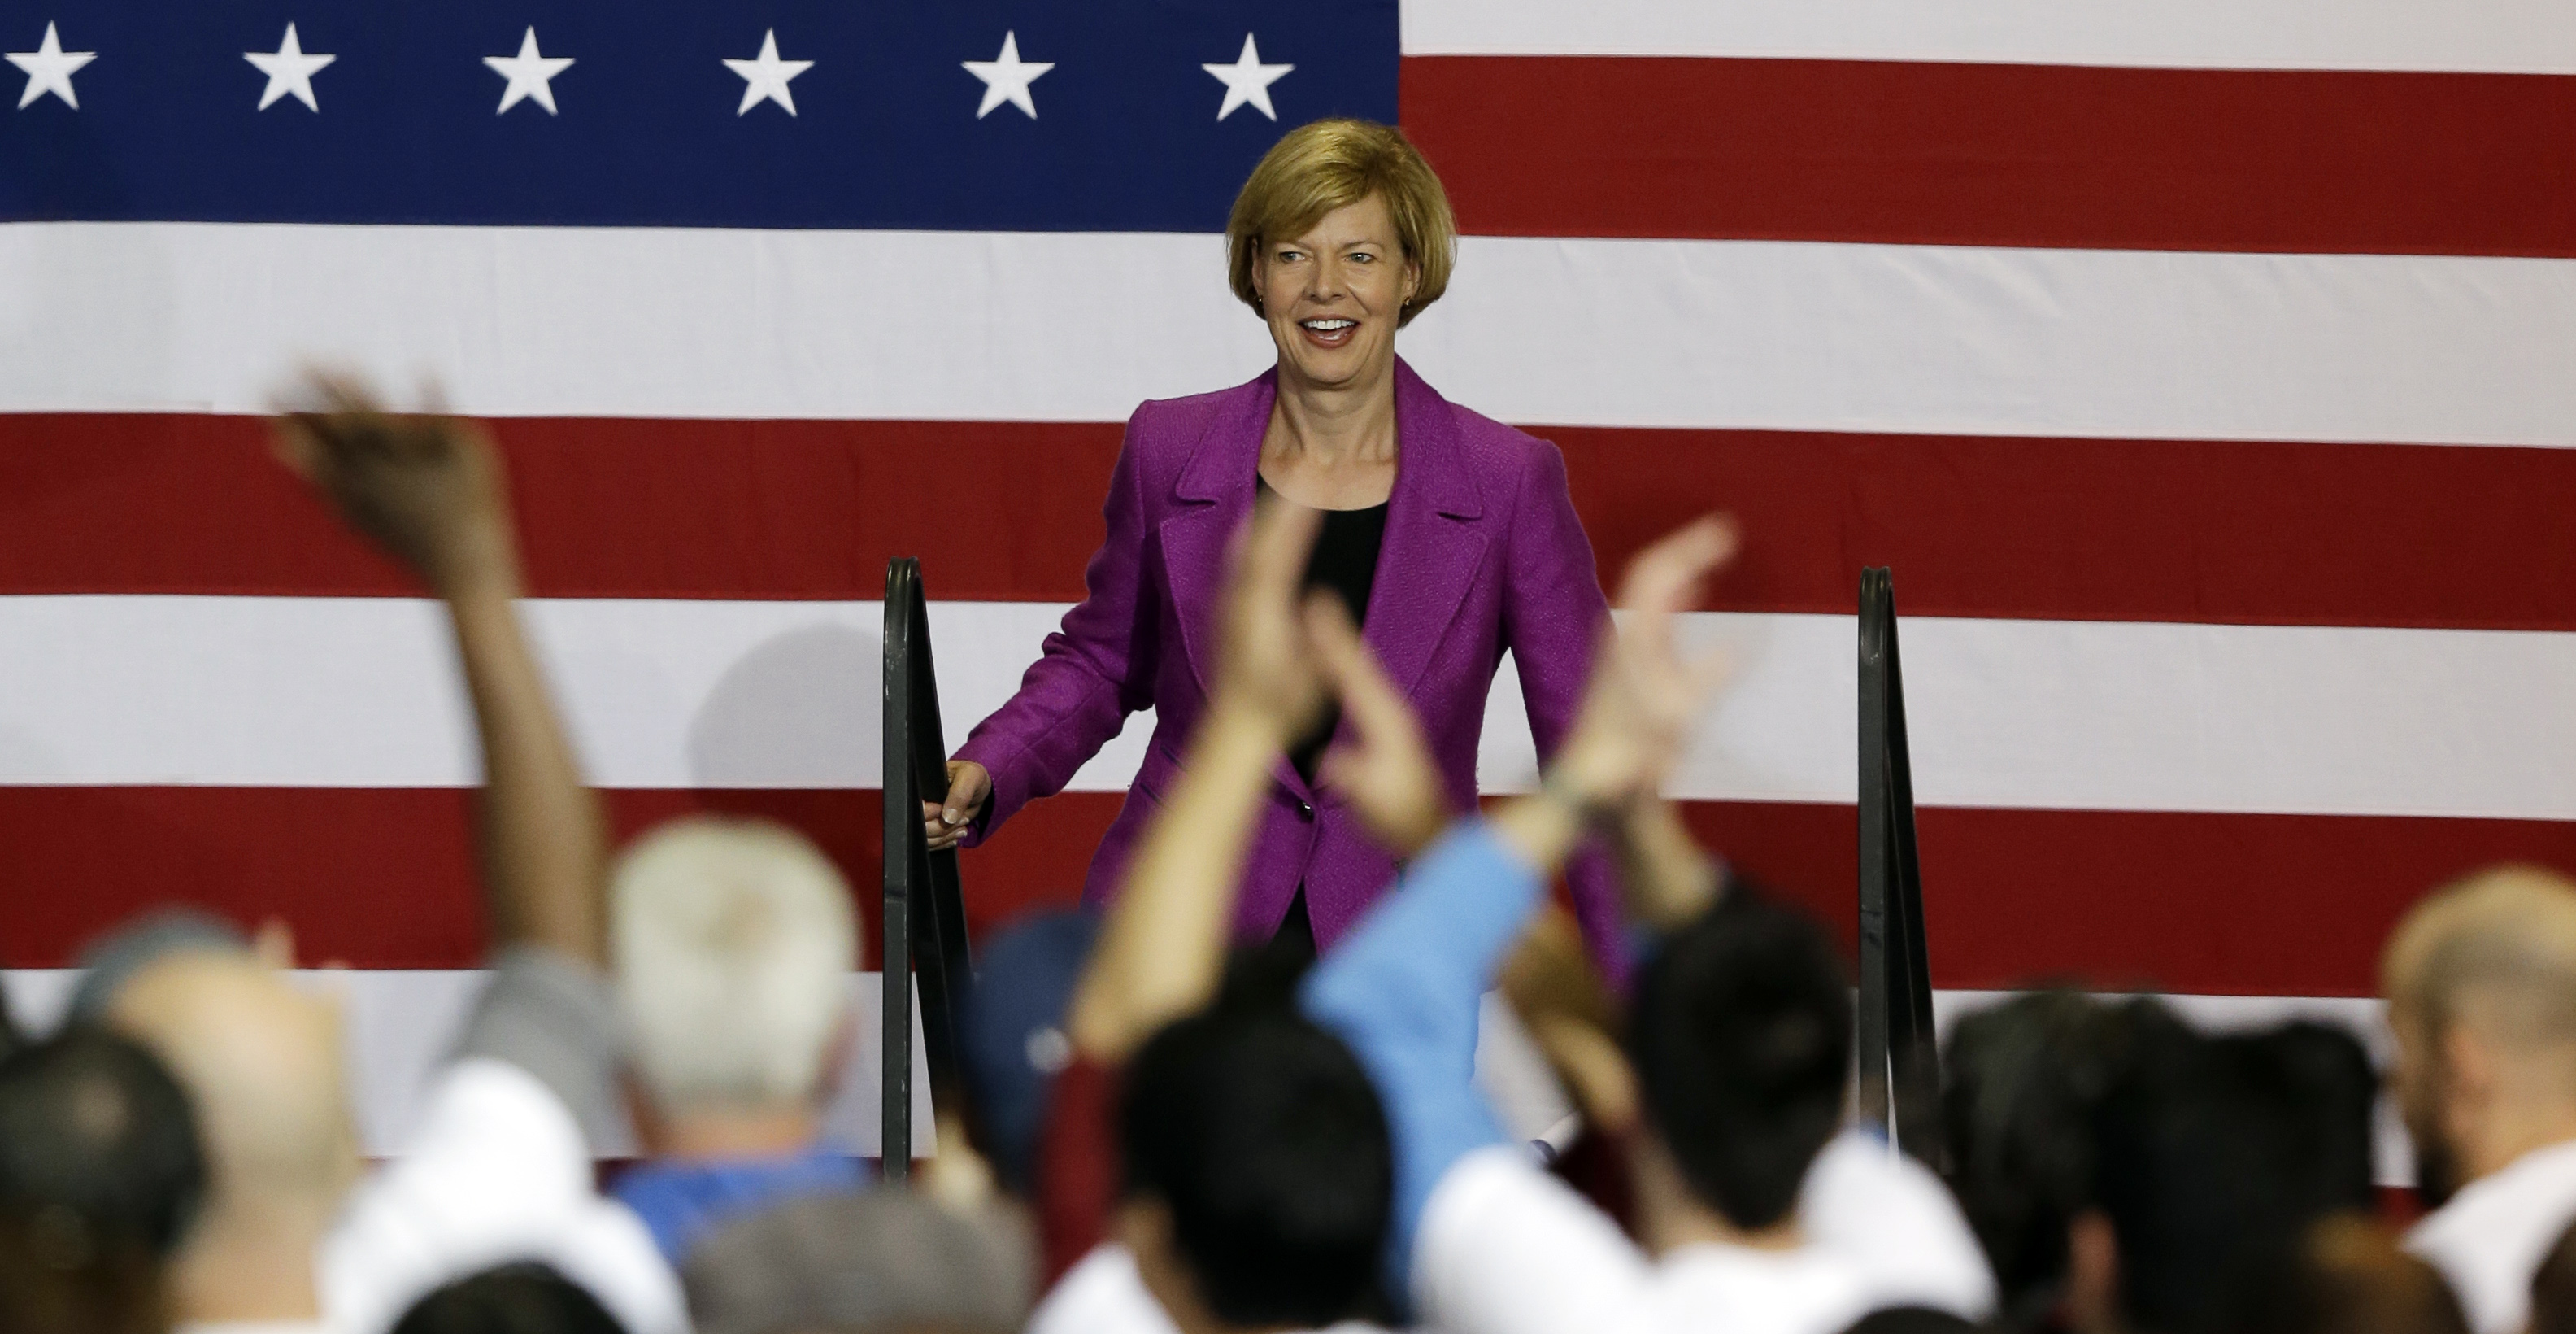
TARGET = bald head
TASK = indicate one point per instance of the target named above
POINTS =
(2495, 953)
(261, 1060)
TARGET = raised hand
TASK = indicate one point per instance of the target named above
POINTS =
(1384, 771)
(428, 488)
(1162, 946)
(1644, 694)
(1265, 664)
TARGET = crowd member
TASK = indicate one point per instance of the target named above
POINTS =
(2215, 1158)
(733, 943)
(499, 1167)
(2352, 1278)
(1243, 1181)
(2480, 979)
(1739, 1037)
(884, 1262)
(1012, 1040)
(517, 1298)
(2553, 1288)
(2021, 1084)
(100, 1175)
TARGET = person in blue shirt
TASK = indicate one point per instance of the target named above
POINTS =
(1754, 1214)
(1162, 952)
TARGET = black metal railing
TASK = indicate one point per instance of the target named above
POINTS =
(1900, 1062)
(924, 928)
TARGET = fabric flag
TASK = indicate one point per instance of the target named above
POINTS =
(2203, 372)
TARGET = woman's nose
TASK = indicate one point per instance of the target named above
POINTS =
(1324, 281)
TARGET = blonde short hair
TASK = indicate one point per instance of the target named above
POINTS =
(1330, 164)
(2497, 949)
(734, 941)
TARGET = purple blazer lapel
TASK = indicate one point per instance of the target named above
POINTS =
(1431, 551)
(1214, 493)
(1433, 542)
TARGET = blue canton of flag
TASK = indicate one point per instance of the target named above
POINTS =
(1127, 115)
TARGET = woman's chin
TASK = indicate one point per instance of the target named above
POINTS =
(1336, 367)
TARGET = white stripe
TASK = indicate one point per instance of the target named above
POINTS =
(2501, 36)
(360, 692)
(398, 1025)
(813, 324)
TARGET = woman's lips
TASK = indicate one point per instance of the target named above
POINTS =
(1328, 332)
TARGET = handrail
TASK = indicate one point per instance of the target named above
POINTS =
(924, 925)
(1900, 1063)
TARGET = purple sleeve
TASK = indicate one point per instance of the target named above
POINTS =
(1090, 674)
(1553, 613)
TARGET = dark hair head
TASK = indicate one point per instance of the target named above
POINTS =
(100, 1175)
(2022, 1082)
(1263, 1136)
(2321, 1089)
(519, 1298)
(2215, 1157)
(1741, 1036)
(1910, 1320)
(94, 1131)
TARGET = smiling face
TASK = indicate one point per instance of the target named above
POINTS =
(1332, 296)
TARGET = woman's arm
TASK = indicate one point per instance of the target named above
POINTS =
(1090, 674)
(1553, 618)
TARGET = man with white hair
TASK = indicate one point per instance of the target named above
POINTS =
(2481, 985)
(732, 943)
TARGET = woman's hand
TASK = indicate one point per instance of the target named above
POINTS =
(945, 822)
(1385, 771)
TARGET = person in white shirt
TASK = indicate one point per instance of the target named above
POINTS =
(500, 1166)
(1757, 1217)
(2480, 980)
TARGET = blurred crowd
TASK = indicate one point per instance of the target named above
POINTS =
(1162, 1132)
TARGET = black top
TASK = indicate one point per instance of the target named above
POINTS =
(1345, 561)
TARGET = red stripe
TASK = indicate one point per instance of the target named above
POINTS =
(385, 877)
(2223, 904)
(2051, 529)
(2017, 155)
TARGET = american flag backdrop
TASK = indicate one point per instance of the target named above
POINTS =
(2205, 371)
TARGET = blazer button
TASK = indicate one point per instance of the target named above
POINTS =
(1304, 811)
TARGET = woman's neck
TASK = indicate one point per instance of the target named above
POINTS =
(1332, 425)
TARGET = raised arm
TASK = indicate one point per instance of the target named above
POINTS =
(1162, 948)
(1404, 988)
(429, 490)
(1668, 877)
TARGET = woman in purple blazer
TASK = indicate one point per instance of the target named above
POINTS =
(1449, 536)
